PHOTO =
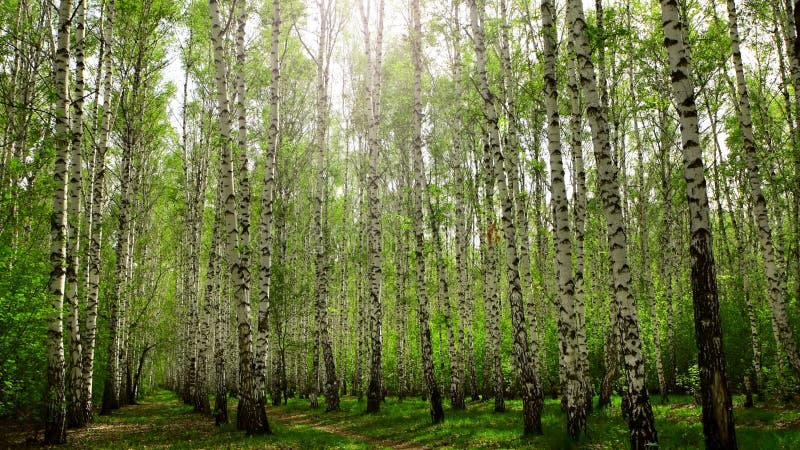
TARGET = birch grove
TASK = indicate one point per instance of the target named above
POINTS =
(582, 215)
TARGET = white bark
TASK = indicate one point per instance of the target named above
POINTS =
(641, 421)
(718, 424)
(373, 79)
(531, 389)
(55, 402)
(75, 416)
(568, 333)
(267, 201)
(251, 416)
(420, 186)
(96, 228)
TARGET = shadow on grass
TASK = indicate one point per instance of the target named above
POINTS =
(678, 423)
(162, 421)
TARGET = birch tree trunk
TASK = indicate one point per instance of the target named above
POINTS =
(579, 219)
(532, 400)
(493, 367)
(668, 247)
(201, 403)
(567, 326)
(251, 413)
(215, 291)
(190, 278)
(243, 199)
(491, 297)
(435, 396)
(404, 369)
(241, 11)
(96, 219)
(744, 271)
(512, 167)
(55, 431)
(462, 238)
(267, 201)
(374, 390)
(641, 421)
(277, 305)
(718, 424)
(75, 417)
(320, 222)
(402, 318)
(195, 159)
(197, 170)
(456, 390)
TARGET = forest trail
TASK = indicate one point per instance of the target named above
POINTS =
(307, 420)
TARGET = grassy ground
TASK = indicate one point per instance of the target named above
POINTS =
(162, 421)
(679, 425)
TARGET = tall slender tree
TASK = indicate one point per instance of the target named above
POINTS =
(461, 237)
(98, 171)
(718, 424)
(215, 292)
(55, 421)
(268, 200)
(374, 65)
(321, 261)
(532, 400)
(75, 416)
(251, 413)
(573, 389)
(579, 217)
(641, 421)
(420, 186)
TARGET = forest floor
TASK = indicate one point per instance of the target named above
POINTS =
(162, 421)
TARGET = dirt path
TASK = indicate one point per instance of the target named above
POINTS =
(305, 419)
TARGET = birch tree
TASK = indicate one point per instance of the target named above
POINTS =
(532, 400)
(55, 421)
(579, 218)
(75, 416)
(641, 421)
(98, 170)
(462, 245)
(321, 261)
(267, 201)
(573, 389)
(420, 186)
(718, 424)
(373, 99)
(251, 413)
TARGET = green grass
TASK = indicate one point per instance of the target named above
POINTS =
(678, 423)
(162, 421)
